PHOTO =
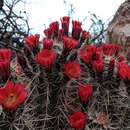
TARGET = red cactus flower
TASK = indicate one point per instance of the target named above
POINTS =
(85, 92)
(76, 29)
(5, 57)
(65, 24)
(48, 32)
(46, 58)
(85, 35)
(12, 95)
(70, 43)
(72, 69)
(47, 43)
(98, 65)
(85, 56)
(98, 53)
(5, 54)
(65, 18)
(87, 53)
(32, 40)
(110, 49)
(37, 37)
(54, 26)
(77, 120)
(123, 70)
(90, 48)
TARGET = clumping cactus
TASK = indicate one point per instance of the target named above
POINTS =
(68, 83)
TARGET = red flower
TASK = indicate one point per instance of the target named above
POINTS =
(47, 43)
(46, 58)
(123, 70)
(5, 54)
(37, 37)
(76, 29)
(86, 56)
(85, 92)
(12, 95)
(98, 65)
(5, 57)
(70, 43)
(77, 120)
(65, 24)
(48, 32)
(54, 26)
(32, 40)
(87, 53)
(72, 69)
(65, 18)
(98, 53)
(90, 48)
(85, 35)
(111, 49)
